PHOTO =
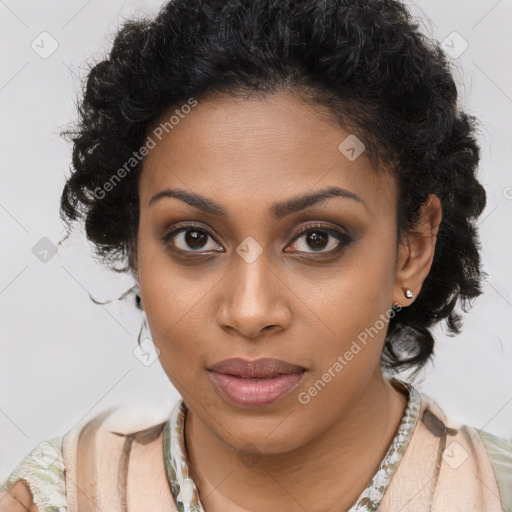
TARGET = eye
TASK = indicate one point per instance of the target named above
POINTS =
(321, 240)
(189, 238)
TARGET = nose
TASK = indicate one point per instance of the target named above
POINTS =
(254, 301)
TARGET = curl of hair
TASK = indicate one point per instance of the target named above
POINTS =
(365, 60)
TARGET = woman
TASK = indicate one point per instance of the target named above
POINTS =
(293, 188)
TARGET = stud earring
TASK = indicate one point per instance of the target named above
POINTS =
(408, 293)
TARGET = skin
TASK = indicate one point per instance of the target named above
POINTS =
(247, 155)
(19, 499)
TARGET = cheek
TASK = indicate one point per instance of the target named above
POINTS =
(354, 305)
(165, 292)
(167, 300)
(177, 330)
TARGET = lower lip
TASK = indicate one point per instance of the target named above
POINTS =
(255, 392)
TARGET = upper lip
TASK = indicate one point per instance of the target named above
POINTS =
(262, 368)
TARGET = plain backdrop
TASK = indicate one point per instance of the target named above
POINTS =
(64, 359)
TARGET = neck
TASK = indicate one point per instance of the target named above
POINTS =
(302, 479)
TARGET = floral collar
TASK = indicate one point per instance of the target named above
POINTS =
(185, 492)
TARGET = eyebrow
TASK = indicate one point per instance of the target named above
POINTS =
(279, 210)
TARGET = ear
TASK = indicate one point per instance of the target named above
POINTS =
(416, 252)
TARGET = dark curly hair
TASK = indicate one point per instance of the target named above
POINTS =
(365, 60)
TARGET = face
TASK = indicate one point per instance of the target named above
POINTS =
(252, 271)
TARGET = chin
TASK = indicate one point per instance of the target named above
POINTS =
(262, 436)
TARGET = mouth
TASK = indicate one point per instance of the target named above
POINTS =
(255, 383)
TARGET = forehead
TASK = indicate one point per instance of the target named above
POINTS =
(272, 147)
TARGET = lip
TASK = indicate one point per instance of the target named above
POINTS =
(255, 383)
(262, 368)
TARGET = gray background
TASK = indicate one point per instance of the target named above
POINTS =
(64, 359)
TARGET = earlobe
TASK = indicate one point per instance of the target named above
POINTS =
(416, 252)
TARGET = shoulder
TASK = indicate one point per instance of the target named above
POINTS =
(42, 473)
(39, 479)
(474, 464)
(116, 457)
(500, 453)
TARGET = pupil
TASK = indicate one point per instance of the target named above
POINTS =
(318, 240)
(193, 239)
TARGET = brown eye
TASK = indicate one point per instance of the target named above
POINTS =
(195, 239)
(319, 239)
(189, 239)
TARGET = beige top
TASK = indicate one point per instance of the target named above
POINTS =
(115, 463)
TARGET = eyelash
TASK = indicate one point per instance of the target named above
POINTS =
(344, 239)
